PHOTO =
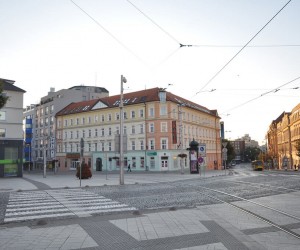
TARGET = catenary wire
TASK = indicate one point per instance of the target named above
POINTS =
(109, 33)
(218, 72)
(263, 94)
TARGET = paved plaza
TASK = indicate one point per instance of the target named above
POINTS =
(204, 227)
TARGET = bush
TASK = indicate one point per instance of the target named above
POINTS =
(85, 171)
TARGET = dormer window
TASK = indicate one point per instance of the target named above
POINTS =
(162, 95)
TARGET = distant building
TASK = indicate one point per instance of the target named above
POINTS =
(239, 149)
(248, 141)
(11, 130)
(158, 127)
(40, 121)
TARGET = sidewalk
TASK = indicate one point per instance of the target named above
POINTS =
(35, 180)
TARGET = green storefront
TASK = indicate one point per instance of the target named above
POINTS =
(11, 158)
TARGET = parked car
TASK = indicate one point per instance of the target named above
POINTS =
(232, 163)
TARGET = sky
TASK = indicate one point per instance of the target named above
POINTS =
(232, 61)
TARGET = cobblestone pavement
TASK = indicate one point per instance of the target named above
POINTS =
(123, 226)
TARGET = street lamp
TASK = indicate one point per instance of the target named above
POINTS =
(123, 80)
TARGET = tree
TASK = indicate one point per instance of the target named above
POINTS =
(230, 150)
(252, 153)
(3, 98)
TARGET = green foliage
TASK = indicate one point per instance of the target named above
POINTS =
(3, 98)
(251, 153)
(230, 150)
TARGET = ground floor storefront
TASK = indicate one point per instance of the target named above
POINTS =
(156, 160)
(11, 158)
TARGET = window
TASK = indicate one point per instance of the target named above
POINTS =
(83, 133)
(46, 110)
(164, 127)
(141, 129)
(117, 131)
(151, 112)
(132, 145)
(89, 120)
(109, 117)
(77, 134)
(66, 123)
(125, 115)
(95, 146)
(132, 129)
(151, 127)
(109, 146)
(132, 114)
(152, 144)
(77, 121)
(163, 143)
(89, 144)
(83, 120)
(142, 144)
(102, 131)
(96, 119)
(71, 134)
(125, 130)
(117, 116)
(163, 110)
(102, 146)
(90, 133)
(51, 109)
(102, 118)
(2, 115)
(96, 132)
(46, 121)
(66, 135)
(141, 113)
(2, 132)
(51, 120)
(109, 131)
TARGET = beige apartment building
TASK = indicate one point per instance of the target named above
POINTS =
(158, 127)
(282, 136)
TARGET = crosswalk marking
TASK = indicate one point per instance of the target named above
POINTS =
(32, 205)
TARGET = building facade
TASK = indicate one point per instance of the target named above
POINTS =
(11, 131)
(157, 127)
(40, 122)
(282, 137)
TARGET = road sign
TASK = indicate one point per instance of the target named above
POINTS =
(202, 149)
(200, 160)
(224, 144)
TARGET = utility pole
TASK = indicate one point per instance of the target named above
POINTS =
(123, 80)
(181, 138)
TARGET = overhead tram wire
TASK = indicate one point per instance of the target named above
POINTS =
(164, 31)
(215, 75)
(109, 33)
(265, 93)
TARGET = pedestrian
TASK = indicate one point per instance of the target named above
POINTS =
(129, 168)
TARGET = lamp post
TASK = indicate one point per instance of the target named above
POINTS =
(181, 137)
(45, 161)
(123, 80)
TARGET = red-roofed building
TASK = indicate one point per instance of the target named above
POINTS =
(153, 137)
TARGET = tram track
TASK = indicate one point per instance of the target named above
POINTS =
(214, 195)
(267, 186)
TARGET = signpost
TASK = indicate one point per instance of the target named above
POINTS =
(202, 155)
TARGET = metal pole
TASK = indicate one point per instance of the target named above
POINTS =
(181, 139)
(106, 163)
(123, 80)
(45, 164)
